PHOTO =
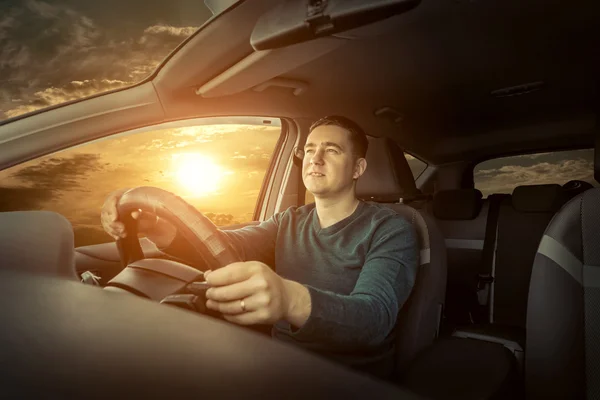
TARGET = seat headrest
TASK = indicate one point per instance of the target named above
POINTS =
(39, 242)
(457, 204)
(388, 176)
(538, 198)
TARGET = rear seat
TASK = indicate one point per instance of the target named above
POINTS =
(522, 219)
(521, 225)
(485, 360)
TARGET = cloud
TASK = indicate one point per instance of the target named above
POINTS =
(506, 178)
(45, 49)
(58, 174)
(536, 155)
(157, 30)
(72, 91)
(42, 9)
(7, 22)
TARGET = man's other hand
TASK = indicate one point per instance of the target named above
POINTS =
(154, 228)
(249, 293)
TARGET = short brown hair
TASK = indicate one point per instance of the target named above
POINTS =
(358, 137)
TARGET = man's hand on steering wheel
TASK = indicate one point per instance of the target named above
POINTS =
(158, 230)
(249, 293)
(245, 293)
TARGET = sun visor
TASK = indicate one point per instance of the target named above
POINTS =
(298, 21)
(264, 67)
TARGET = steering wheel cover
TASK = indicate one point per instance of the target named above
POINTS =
(192, 225)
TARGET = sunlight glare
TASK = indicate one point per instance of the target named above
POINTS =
(197, 173)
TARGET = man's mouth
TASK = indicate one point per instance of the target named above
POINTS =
(317, 174)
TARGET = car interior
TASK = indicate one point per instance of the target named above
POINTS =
(506, 301)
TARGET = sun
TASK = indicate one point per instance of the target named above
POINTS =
(197, 173)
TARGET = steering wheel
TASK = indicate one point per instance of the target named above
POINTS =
(166, 280)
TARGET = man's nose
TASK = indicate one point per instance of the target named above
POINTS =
(317, 158)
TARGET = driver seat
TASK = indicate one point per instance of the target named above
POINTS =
(388, 180)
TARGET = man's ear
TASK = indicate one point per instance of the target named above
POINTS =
(359, 168)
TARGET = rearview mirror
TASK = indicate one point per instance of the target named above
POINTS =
(296, 21)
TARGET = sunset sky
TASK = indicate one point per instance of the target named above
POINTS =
(60, 50)
(52, 52)
(218, 168)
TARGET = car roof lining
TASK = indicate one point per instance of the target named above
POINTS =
(444, 75)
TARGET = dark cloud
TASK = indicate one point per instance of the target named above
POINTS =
(70, 91)
(23, 199)
(58, 174)
(51, 53)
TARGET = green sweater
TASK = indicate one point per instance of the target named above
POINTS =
(358, 271)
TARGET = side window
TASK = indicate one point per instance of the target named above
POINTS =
(416, 166)
(502, 175)
(217, 165)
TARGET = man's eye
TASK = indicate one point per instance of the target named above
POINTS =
(333, 151)
(309, 151)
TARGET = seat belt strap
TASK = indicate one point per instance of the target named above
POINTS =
(485, 278)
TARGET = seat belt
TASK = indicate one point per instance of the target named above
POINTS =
(485, 278)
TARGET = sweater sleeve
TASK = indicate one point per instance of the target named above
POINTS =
(252, 242)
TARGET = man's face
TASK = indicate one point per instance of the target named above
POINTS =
(329, 167)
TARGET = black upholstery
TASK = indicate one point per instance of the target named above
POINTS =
(521, 225)
(463, 369)
(40, 242)
(424, 307)
(538, 198)
(388, 177)
(561, 337)
(461, 216)
(460, 367)
(457, 204)
(574, 187)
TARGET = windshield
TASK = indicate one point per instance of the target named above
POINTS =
(56, 51)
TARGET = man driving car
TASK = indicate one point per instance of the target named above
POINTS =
(330, 276)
